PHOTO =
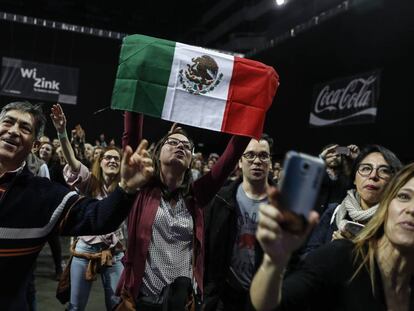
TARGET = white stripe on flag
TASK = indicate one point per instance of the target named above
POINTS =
(204, 110)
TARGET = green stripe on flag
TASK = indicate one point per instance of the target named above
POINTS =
(143, 74)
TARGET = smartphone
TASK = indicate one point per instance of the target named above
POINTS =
(342, 150)
(299, 187)
(353, 227)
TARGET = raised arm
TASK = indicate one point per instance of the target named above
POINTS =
(133, 123)
(207, 186)
(92, 217)
(59, 121)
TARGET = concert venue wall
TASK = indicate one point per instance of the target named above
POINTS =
(375, 39)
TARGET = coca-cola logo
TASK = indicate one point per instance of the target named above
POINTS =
(348, 99)
(356, 95)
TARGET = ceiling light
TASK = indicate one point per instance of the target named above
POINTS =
(280, 2)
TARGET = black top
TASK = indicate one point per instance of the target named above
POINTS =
(322, 283)
(332, 191)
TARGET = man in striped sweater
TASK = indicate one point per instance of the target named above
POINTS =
(32, 208)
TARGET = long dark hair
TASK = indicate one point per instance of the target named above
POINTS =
(185, 186)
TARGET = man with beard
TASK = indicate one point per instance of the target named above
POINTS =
(232, 253)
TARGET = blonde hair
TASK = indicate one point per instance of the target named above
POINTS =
(366, 242)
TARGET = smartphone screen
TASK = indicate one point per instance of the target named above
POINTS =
(342, 150)
(300, 183)
(353, 227)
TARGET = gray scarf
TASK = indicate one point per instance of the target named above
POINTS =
(350, 206)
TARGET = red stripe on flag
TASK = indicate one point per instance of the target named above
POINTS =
(252, 88)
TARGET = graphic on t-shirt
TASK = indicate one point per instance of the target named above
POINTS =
(243, 259)
(246, 241)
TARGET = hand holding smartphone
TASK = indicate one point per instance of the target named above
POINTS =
(299, 188)
(353, 228)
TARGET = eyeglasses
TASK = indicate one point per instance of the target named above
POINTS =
(251, 156)
(109, 157)
(382, 171)
(175, 142)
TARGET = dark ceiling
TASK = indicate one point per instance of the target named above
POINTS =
(230, 25)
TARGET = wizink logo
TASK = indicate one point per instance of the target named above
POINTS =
(40, 82)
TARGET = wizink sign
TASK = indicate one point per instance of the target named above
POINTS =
(348, 100)
(40, 82)
(24, 79)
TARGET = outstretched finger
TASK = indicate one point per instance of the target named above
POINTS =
(126, 156)
(143, 145)
(269, 211)
(173, 127)
(273, 195)
(145, 154)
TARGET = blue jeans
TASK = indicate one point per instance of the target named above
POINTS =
(80, 287)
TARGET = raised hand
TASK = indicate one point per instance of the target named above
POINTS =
(354, 151)
(338, 234)
(174, 128)
(329, 152)
(277, 243)
(58, 118)
(136, 167)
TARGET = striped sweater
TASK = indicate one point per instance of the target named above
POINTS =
(31, 208)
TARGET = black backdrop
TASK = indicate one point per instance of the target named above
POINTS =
(379, 37)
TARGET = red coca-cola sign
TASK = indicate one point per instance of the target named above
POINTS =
(351, 100)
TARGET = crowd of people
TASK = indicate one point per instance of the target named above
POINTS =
(169, 228)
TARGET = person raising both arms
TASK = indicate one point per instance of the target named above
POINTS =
(165, 255)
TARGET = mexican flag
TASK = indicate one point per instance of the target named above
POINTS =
(194, 86)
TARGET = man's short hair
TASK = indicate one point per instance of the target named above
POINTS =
(269, 140)
(35, 110)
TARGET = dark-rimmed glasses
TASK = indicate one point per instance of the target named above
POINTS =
(109, 157)
(175, 142)
(251, 156)
(382, 171)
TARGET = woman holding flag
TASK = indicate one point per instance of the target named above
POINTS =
(164, 260)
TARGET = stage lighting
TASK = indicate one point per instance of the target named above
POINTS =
(280, 2)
